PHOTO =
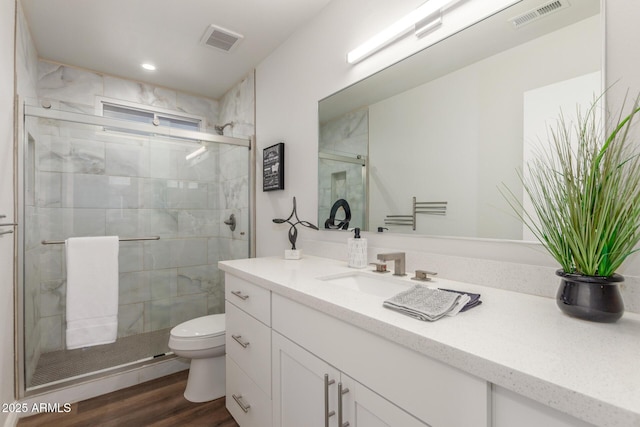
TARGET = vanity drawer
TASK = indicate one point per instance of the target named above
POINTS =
(249, 297)
(248, 405)
(248, 343)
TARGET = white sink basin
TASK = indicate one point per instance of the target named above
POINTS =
(373, 284)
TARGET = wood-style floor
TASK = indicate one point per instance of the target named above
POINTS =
(155, 403)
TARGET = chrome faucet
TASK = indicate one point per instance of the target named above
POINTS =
(399, 262)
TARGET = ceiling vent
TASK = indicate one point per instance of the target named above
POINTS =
(539, 12)
(221, 38)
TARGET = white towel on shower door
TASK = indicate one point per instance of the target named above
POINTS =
(92, 290)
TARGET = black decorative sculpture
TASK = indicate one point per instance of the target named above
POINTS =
(293, 232)
(343, 224)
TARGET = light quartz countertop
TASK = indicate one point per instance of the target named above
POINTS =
(517, 341)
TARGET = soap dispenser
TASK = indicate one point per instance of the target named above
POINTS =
(357, 250)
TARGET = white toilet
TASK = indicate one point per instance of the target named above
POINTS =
(202, 341)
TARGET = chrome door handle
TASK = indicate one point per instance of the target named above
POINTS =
(244, 344)
(327, 414)
(244, 406)
(239, 295)
(341, 392)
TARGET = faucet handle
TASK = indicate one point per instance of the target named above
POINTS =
(423, 275)
(381, 267)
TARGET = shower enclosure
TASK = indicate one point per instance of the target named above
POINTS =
(85, 175)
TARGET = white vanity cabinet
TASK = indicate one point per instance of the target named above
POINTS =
(248, 347)
(400, 372)
(290, 365)
(307, 391)
(388, 384)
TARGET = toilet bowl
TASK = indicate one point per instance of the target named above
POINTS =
(202, 340)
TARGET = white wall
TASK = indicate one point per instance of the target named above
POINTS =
(7, 13)
(622, 53)
(311, 65)
(539, 103)
(418, 148)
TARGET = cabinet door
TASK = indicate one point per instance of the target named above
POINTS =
(361, 407)
(304, 387)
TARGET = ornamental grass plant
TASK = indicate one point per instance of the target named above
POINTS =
(584, 188)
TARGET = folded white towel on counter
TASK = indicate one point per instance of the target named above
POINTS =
(425, 303)
(92, 290)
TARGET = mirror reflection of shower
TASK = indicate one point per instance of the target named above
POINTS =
(343, 170)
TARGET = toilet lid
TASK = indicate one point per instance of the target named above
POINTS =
(204, 326)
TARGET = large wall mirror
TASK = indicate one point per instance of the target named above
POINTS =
(423, 146)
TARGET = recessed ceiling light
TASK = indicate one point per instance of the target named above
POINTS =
(149, 67)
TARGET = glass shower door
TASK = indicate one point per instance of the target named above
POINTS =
(86, 179)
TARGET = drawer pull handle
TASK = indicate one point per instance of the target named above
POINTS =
(239, 295)
(244, 406)
(341, 392)
(327, 413)
(244, 344)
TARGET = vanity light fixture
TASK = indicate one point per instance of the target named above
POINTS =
(399, 28)
(428, 24)
(149, 67)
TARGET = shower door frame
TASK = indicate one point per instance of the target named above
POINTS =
(21, 139)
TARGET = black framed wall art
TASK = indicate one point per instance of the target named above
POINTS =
(273, 167)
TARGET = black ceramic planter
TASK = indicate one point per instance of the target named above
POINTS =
(591, 298)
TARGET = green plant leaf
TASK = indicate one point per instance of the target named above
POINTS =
(584, 189)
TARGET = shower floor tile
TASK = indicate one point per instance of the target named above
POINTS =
(63, 364)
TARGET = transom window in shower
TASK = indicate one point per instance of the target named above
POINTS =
(158, 117)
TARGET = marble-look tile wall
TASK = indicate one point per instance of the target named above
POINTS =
(347, 135)
(238, 107)
(91, 182)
